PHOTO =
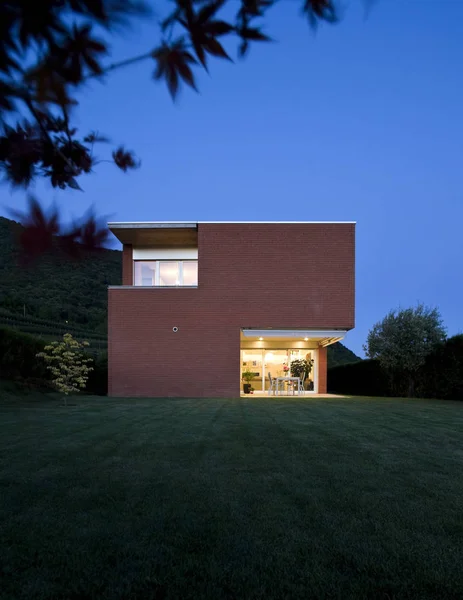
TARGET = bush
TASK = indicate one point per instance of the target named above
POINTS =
(363, 378)
(98, 378)
(18, 357)
(440, 377)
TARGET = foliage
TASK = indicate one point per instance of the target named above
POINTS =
(18, 353)
(404, 338)
(441, 376)
(363, 378)
(64, 293)
(301, 368)
(48, 54)
(247, 376)
(67, 363)
(98, 379)
(442, 373)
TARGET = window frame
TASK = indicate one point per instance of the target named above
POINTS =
(157, 263)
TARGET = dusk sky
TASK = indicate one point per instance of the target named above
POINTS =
(362, 121)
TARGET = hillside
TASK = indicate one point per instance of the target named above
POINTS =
(56, 289)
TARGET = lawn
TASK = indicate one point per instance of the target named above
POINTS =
(252, 498)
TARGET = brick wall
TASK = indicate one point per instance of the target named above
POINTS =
(127, 265)
(322, 370)
(250, 275)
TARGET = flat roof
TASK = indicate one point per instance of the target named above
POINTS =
(175, 224)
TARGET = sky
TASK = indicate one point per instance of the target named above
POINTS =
(361, 121)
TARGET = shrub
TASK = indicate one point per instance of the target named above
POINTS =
(363, 378)
(98, 379)
(18, 357)
(442, 375)
(67, 363)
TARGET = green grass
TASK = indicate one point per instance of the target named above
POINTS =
(252, 498)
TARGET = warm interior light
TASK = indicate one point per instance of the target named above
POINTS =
(260, 339)
(306, 339)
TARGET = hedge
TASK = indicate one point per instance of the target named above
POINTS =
(441, 376)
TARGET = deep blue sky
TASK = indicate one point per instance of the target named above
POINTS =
(362, 121)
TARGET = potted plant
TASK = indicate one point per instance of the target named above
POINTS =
(301, 368)
(247, 376)
(252, 391)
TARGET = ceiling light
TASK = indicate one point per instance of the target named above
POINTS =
(306, 339)
(260, 339)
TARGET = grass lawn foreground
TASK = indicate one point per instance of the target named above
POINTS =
(247, 498)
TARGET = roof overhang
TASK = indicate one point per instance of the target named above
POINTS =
(183, 233)
(156, 234)
(324, 337)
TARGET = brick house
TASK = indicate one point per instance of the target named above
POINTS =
(203, 301)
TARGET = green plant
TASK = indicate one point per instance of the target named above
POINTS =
(301, 368)
(403, 340)
(67, 363)
(247, 376)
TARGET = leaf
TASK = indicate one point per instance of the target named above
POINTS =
(216, 28)
(253, 33)
(209, 10)
(125, 159)
(215, 48)
(320, 10)
(173, 61)
(93, 137)
(203, 30)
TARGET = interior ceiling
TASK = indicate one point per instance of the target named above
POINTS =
(323, 338)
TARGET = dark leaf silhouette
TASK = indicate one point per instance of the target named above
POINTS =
(173, 61)
(79, 55)
(125, 160)
(39, 228)
(60, 36)
(203, 29)
(316, 10)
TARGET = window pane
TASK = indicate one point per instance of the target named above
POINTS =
(144, 272)
(168, 273)
(190, 272)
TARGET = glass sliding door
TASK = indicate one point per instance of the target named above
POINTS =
(277, 362)
(251, 360)
(306, 354)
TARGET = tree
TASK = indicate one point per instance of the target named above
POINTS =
(48, 53)
(68, 365)
(402, 341)
(49, 49)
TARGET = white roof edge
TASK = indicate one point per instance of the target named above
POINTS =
(148, 224)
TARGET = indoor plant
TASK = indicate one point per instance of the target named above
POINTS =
(301, 368)
(247, 376)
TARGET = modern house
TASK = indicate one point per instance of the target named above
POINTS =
(203, 301)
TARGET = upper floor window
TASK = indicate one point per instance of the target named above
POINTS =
(166, 273)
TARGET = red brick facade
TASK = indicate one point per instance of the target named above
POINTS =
(322, 370)
(250, 276)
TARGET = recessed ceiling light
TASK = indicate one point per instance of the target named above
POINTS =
(260, 339)
(306, 339)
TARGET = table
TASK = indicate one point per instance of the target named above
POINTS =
(290, 379)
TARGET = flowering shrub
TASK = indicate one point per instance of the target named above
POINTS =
(67, 363)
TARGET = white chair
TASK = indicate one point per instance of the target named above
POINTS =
(272, 384)
(301, 384)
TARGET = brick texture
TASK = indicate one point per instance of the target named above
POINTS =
(322, 370)
(127, 265)
(250, 275)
